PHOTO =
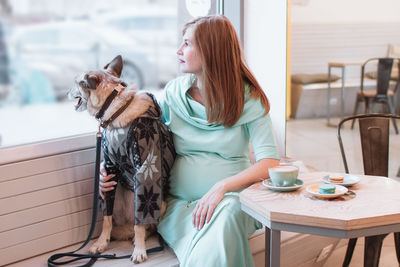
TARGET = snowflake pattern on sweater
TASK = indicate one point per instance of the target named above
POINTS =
(141, 155)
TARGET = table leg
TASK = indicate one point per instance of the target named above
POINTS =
(267, 246)
(275, 256)
(328, 106)
(343, 92)
(372, 250)
(397, 245)
(272, 247)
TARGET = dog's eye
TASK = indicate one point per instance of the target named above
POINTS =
(83, 84)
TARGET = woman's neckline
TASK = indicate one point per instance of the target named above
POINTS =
(194, 92)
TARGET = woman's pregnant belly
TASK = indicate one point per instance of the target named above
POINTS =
(193, 175)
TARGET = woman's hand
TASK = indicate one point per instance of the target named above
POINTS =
(206, 205)
(104, 185)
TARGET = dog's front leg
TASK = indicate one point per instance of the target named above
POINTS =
(102, 242)
(139, 253)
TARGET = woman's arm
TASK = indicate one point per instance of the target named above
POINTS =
(105, 185)
(205, 207)
(249, 176)
(266, 156)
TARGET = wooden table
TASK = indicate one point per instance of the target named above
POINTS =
(372, 211)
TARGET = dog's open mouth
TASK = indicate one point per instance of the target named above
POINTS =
(79, 103)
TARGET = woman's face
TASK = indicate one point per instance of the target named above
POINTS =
(189, 61)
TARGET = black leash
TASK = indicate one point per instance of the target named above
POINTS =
(51, 262)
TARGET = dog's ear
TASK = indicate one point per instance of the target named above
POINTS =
(92, 81)
(115, 66)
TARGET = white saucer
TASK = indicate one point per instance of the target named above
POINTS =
(268, 184)
(314, 190)
(348, 180)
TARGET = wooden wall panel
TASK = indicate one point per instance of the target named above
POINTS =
(46, 180)
(45, 228)
(45, 212)
(47, 164)
(45, 244)
(42, 197)
(45, 204)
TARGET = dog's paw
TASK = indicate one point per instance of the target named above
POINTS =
(99, 247)
(139, 255)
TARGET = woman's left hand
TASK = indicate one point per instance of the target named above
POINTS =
(206, 206)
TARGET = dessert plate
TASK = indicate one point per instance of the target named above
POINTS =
(268, 184)
(314, 190)
(348, 180)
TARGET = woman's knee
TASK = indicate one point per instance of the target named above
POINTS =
(233, 213)
(232, 205)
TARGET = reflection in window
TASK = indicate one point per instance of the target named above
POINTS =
(44, 45)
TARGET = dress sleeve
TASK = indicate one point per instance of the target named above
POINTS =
(163, 103)
(262, 138)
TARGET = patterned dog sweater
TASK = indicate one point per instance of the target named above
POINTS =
(141, 156)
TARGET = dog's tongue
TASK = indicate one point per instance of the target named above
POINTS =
(78, 104)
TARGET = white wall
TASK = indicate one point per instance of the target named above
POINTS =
(265, 49)
(344, 11)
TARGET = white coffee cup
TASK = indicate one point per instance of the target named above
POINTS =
(283, 175)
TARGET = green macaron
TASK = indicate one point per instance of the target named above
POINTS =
(327, 189)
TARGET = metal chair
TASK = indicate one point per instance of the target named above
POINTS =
(382, 95)
(374, 136)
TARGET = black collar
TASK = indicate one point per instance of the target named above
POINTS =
(105, 123)
(108, 101)
(99, 115)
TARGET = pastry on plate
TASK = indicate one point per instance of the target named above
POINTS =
(327, 189)
(336, 179)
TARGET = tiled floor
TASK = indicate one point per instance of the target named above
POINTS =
(316, 145)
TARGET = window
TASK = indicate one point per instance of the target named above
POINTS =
(45, 44)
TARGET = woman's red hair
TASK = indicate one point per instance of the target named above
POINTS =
(225, 72)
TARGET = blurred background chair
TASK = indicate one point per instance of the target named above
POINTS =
(394, 52)
(384, 93)
(374, 137)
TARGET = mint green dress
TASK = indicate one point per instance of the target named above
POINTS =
(206, 154)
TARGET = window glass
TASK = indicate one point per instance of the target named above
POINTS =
(45, 44)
